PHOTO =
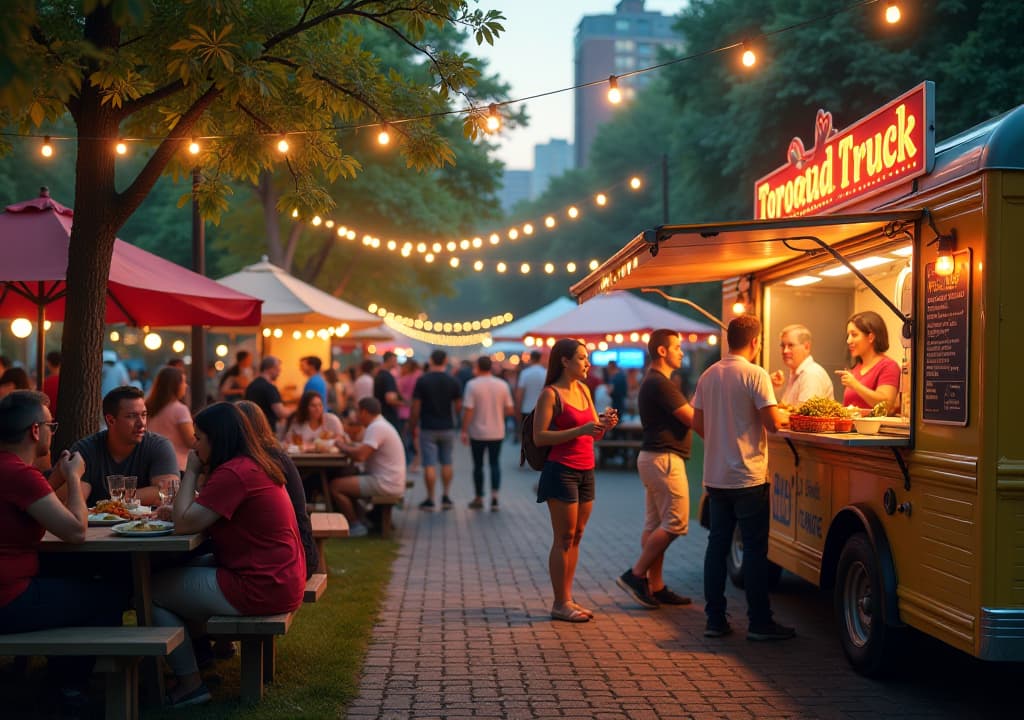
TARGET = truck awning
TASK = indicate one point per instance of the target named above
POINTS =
(678, 254)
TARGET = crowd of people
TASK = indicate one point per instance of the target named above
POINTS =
(237, 484)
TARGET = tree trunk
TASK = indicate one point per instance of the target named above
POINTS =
(89, 254)
(267, 194)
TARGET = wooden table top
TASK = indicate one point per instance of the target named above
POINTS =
(103, 539)
(309, 460)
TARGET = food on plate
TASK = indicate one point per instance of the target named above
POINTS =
(111, 507)
(325, 435)
(147, 526)
(879, 409)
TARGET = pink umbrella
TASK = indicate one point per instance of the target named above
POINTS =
(142, 289)
(618, 313)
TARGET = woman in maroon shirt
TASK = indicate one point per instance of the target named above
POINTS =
(567, 479)
(257, 567)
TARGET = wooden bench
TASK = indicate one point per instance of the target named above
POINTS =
(315, 587)
(630, 447)
(119, 650)
(257, 635)
(385, 503)
(325, 526)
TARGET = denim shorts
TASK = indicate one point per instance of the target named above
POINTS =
(560, 482)
(436, 445)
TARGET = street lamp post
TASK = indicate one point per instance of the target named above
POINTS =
(198, 375)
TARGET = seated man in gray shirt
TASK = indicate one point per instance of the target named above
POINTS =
(126, 448)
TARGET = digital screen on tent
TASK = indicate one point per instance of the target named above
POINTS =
(626, 357)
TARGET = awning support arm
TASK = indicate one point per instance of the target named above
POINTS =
(688, 303)
(908, 324)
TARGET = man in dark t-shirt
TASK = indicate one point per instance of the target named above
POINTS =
(127, 448)
(385, 388)
(264, 393)
(436, 400)
(666, 417)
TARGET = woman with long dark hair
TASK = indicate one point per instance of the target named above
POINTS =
(876, 376)
(310, 421)
(168, 414)
(258, 565)
(565, 420)
(293, 481)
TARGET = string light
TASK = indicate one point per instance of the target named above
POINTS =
(282, 145)
(601, 199)
(748, 58)
(635, 182)
(383, 137)
(46, 149)
(614, 94)
(120, 148)
(493, 119)
(573, 212)
(193, 147)
(892, 13)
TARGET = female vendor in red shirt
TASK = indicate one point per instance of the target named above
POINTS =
(567, 480)
(257, 567)
(876, 377)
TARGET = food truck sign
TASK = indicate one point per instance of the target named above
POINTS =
(892, 145)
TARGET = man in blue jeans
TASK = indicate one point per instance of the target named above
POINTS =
(733, 409)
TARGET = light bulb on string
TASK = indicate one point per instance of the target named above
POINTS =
(494, 239)
(892, 13)
(635, 182)
(513, 234)
(528, 229)
(193, 147)
(614, 94)
(601, 199)
(120, 148)
(282, 145)
(748, 58)
(573, 212)
(384, 136)
(46, 149)
(493, 118)
(570, 267)
(549, 222)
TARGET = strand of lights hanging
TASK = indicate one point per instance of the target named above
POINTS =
(423, 322)
(491, 116)
(611, 339)
(442, 339)
(325, 333)
(430, 251)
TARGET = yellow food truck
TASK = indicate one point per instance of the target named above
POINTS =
(921, 524)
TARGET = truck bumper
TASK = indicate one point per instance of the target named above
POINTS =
(1002, 634)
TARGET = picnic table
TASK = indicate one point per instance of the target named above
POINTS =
(105, 540)
(322, 463)
(624, 440)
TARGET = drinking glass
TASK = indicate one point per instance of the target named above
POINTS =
(131, 483)
(168, 489)
(115, 487)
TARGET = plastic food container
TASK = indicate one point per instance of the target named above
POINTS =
(868, 425)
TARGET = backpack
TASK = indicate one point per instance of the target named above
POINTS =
(529, 451)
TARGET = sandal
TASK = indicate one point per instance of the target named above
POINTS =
(568, 613)
(586, 611)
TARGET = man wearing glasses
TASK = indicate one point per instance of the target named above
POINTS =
(126, 448)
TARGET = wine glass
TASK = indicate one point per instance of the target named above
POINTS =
(131, 484)
(167, 490)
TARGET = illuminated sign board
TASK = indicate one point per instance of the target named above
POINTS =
(892, 145)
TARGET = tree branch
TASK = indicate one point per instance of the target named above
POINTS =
(133, 195)
(133, 106)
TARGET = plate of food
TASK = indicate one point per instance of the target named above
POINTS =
(104, 519)
(115, 508)
(144, 528)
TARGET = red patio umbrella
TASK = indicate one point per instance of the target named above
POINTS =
(142, 288)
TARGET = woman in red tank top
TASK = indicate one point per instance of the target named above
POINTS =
(567, 481)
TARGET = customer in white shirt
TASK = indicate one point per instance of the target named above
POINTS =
(383, 455)
(807, 378)
(486, 402)
(530, 384)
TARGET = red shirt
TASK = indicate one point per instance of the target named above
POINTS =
(577, 453)
(261, 568)
(20, 486)
(50, 385)
(884, 372)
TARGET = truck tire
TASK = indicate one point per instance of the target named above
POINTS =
(867, 641)
(734, 563)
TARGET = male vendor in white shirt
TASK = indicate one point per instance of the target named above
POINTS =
(807, 378)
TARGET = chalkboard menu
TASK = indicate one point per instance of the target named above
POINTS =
(947, 319)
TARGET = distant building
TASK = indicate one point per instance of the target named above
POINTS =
(515, 187)
(550, 160)
(612, 45)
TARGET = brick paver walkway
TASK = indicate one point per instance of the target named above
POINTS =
(465, 631)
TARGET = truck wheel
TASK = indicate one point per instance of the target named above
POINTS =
(734, 563)
(867, 641)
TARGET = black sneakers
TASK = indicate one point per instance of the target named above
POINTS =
(427, 504)
(717, 627)
(769, 632)
(494, 504)
(638, 588)
(446, 503)
(476, 504)
(667, 597)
